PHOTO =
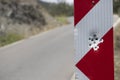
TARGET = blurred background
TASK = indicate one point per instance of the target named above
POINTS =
(23, 18)
(43, 30)
(116, 10)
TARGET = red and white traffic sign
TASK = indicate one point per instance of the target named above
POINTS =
(94, 39)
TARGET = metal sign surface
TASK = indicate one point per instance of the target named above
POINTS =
(94, 39)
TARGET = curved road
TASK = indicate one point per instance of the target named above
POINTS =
(47, 56)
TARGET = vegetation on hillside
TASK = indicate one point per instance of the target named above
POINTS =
(116, 7)
(23, 18)
(18, 19)
(9, 38)
(58, 9)
(21, 13)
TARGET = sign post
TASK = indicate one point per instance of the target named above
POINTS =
(93, 33)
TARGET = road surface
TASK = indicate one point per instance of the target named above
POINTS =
(47, 56)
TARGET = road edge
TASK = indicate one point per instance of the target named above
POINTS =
(116, 23)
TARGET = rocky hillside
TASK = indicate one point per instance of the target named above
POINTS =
(24, 17)
(21, 13)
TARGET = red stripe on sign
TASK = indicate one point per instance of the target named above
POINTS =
(99, 65)
(82, 7)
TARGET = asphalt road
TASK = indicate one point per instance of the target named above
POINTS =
(47, 56)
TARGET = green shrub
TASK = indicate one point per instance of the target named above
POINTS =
(58, 9)
(62, 19)
(9, 38)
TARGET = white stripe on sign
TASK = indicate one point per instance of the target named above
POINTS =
(98, 20)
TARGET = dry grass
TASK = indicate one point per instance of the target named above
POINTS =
(117, 52)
